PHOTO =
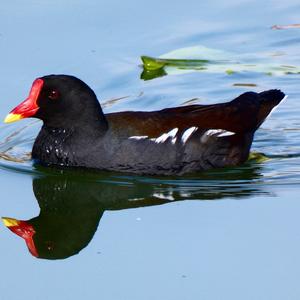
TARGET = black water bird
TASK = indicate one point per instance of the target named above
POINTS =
(170, 141)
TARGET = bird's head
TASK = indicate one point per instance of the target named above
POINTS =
(59, 101)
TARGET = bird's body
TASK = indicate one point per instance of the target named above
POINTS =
(171, 141)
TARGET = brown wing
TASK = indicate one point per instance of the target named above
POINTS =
(243, 114)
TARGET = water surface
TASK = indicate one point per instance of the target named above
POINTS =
(223, 234)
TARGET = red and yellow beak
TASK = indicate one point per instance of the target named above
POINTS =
(29, 106)
(24, 230)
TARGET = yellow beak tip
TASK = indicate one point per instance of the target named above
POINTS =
(9, 222)
(12, 118)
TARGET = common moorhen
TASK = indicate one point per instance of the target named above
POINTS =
(170, 141)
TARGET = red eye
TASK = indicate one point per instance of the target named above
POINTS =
(53, 95)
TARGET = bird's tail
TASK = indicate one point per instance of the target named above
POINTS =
(268, 100)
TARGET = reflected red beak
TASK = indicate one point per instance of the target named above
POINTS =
(24, 230)
(29, 106)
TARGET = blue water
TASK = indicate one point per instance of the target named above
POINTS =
(225, 234)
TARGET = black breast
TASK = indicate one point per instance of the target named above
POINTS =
(54, 146)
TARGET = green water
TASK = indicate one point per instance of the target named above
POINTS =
(223, 234)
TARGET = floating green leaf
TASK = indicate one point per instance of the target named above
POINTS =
(257, 157)
(151, 63)
(203, 59)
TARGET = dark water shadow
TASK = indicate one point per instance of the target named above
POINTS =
(73, 202)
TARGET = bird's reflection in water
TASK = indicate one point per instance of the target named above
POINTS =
(72, 204)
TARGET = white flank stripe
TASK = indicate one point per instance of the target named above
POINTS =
(226, 133)
(188, 133)
(165, 136)
(138, 137)
(218, 132)
(210, 132)
(215, 132)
